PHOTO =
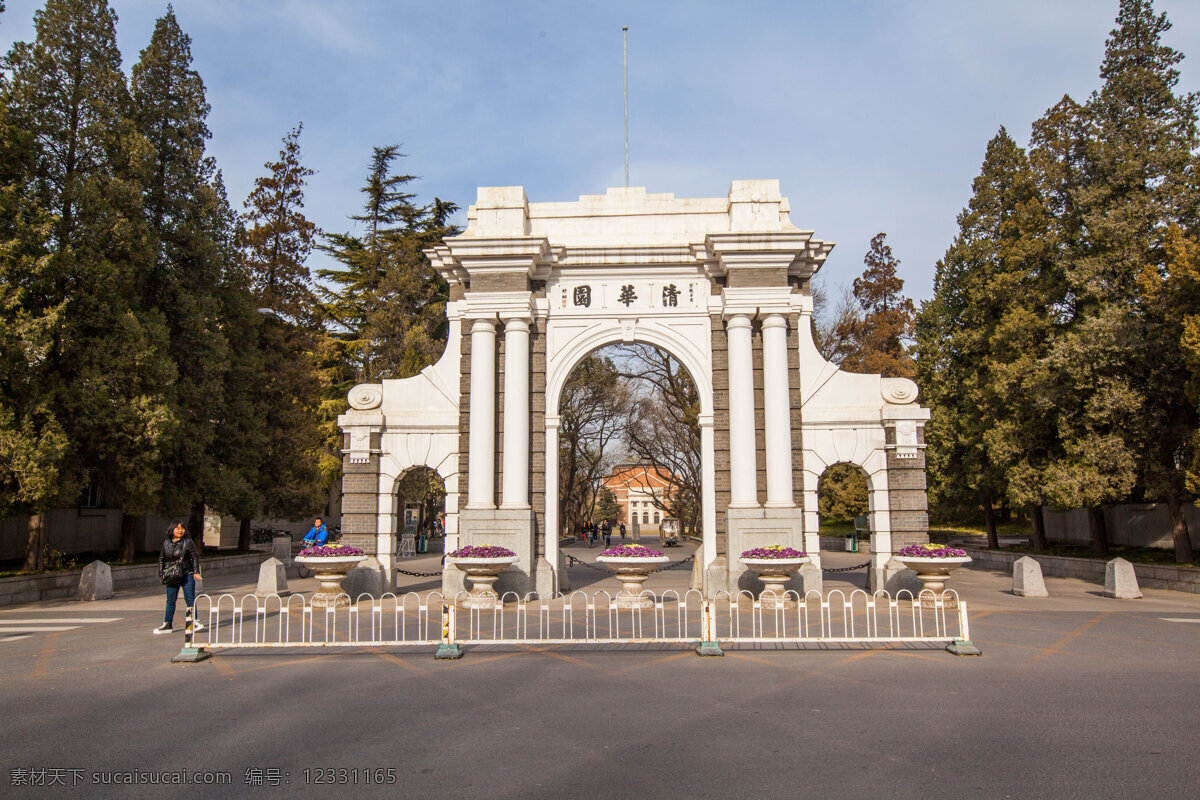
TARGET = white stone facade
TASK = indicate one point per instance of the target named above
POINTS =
(721, 283)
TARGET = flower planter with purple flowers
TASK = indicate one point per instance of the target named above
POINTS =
(774, 565)
(483, 564)
(632, 564)
(933, 564)
(329, 564)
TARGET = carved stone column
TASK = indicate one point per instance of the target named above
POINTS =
(743, 465)
(481, 474)
(777, 413)
(515, 470)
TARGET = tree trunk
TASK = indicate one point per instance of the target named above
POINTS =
(128, 537)
(1038, 520)
(35, 545)
(1099, 531)
(196, 526)
(243, 535)
(1184, 553)
(989, 520)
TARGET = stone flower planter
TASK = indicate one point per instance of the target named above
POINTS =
(933, 572)
(775, 573)
(632, 571)
(330, 571)
(483, 573)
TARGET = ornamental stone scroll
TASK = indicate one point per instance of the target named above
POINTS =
(898, 391)
(366, 396)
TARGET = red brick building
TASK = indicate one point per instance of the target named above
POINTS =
(634, 487)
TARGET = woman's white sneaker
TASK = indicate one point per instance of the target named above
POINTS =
(164, 628)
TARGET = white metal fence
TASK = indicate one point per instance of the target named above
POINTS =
(412, 620)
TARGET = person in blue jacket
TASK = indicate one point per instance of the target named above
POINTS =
(317, 534)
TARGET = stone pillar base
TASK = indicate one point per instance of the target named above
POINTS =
(511, 528)
(747, 528)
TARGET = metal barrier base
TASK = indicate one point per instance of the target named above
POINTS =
(709, 649)
(963, 647)
(190, 655)
(448, 651)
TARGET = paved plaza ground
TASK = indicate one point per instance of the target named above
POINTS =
(1075, 696)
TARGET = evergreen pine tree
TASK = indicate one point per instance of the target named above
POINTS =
(107, 359)
(182, 285)
(878, 340)
(276, 240)
(1118, 382)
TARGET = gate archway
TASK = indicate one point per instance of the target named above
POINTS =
(723, 285)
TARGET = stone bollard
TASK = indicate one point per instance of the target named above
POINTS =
(271, 579)
(1120, 581)
(366, 578)
(1027, 578)
(95, 582)
(281, 548)
(810, 579)
(900, 578)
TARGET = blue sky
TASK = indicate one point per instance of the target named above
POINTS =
(873, 115)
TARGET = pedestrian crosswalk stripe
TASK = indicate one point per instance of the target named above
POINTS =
(39, 629)
(1180, 619)
(26, 626)
(55, 620)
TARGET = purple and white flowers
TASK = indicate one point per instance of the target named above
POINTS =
(330, 551)
(774, 551)
(931, 550)
(482, 551)
(631, 551)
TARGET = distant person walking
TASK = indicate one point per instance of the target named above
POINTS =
(178, 568)
(606, 529)
(622, 533)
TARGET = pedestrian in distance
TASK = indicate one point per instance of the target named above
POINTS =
(178, 568)
(317, 534)
(606, 529)
(622, 533)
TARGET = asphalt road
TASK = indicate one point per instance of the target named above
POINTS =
(1076, 696)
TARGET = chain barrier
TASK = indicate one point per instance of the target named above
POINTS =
(846, 569)
(672, 565)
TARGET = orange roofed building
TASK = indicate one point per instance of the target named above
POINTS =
(634, 487)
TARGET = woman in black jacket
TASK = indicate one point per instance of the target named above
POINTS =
(178, 546)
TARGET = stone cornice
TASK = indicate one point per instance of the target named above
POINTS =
(502, 305)
(757, 301)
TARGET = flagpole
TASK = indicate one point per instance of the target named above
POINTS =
(625, 38)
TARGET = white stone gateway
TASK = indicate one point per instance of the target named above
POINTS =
(720, 283)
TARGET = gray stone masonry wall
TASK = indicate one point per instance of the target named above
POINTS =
(908, 502)
(1149, 576)
(757, 276)
(760, 440)
(57, 585)
(360, 503)
(498, 425)
(720, 375)
(464, 413)
(537, 437)
(516, 281)
(793, 353)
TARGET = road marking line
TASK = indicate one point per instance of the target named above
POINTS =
(41, 629)
(15, 638)
(1070, 637)
(1179, 619)
(55, 620)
